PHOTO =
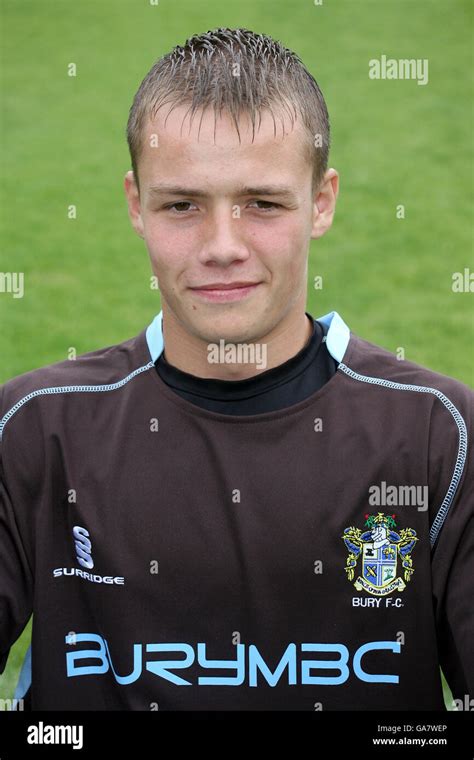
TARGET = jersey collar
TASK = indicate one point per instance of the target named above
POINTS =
(337, 338)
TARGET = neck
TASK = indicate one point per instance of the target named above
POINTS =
(190, 354)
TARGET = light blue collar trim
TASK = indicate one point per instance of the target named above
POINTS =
(154, 337)
(337, 338)
(338, 335)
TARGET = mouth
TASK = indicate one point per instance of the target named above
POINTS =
(223, 293)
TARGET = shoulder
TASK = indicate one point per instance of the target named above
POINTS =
(102, 369)
(370, 364)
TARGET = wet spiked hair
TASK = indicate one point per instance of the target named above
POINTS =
(239, 72)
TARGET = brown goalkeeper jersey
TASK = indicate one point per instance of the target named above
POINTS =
(319, 555)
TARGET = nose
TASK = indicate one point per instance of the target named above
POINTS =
(223, 240)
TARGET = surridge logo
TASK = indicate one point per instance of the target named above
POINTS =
(83, 546)
(381, 547)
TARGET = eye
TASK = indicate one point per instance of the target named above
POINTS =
(268, 206)
(179, 204)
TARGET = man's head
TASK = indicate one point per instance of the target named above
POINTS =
(229, 140)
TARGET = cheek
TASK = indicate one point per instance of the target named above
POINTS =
(167, 248)
(284, 249)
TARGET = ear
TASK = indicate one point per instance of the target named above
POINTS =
(324, 204)
(133, 201)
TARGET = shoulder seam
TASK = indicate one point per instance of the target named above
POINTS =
(70, 389)
(462, 430)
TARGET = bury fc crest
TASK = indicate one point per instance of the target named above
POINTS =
(382, 550)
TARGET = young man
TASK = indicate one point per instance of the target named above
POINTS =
(243, 507)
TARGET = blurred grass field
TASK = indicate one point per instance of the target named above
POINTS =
(394, 142)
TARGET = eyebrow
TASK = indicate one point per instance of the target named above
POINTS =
(269, 190)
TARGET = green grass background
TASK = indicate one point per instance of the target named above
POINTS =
(394, 142)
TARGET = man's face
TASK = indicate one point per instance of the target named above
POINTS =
(245, 215)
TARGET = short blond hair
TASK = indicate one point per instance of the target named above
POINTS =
(239, 72)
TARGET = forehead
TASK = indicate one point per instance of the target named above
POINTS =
(173, 144)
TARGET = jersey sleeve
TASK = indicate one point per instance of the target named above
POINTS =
(453, 576)
(16, 577)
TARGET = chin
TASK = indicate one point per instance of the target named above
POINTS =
(231, 328)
